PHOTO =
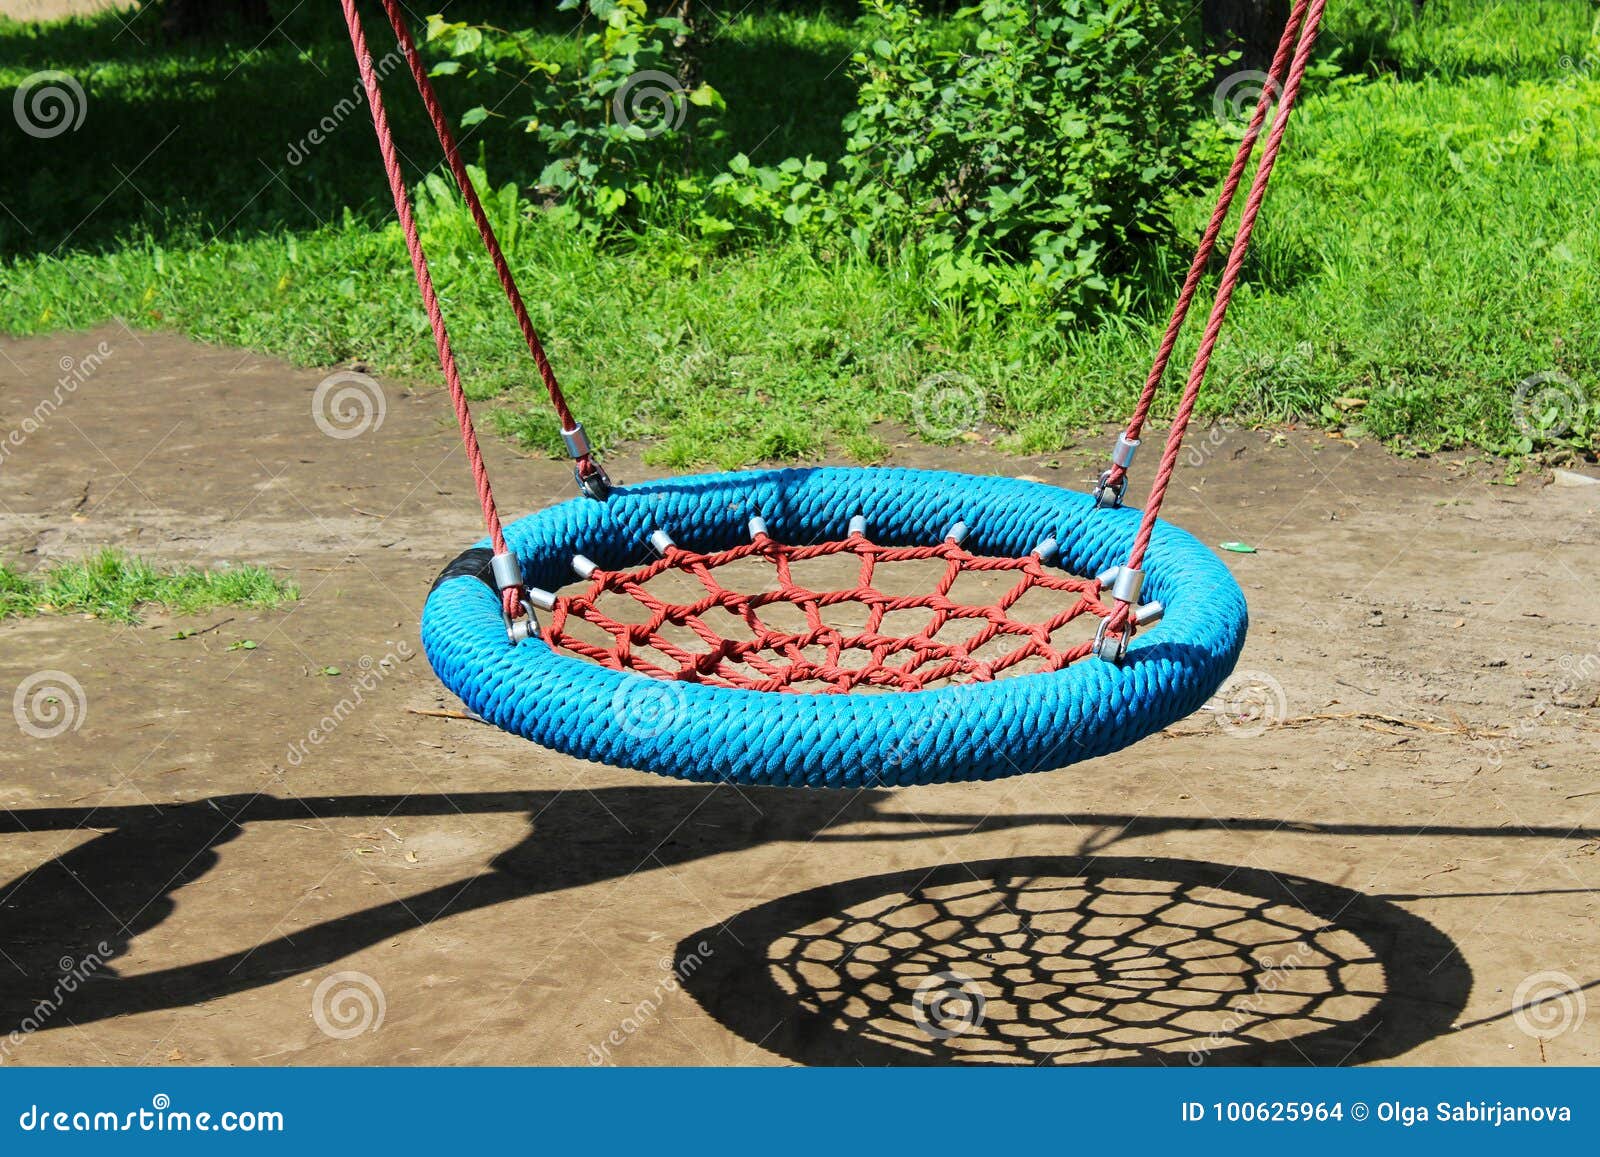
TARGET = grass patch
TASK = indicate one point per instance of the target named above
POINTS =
(1429, 246)
(111, 585)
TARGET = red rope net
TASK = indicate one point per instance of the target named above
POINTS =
(820, 657)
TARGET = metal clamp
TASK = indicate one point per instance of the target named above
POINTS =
(1046, 550)
(1106, 493)
(506, 570)
(523, 627)
(1114, 648)
(594, 483)
(526, 625)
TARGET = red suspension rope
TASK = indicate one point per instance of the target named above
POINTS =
(1208, 243)
(1311, 12)
(587, 467)
(513, 597)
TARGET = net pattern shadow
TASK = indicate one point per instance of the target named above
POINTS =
(1040, 970)
(821, 657)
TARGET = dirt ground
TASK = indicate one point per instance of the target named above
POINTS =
(57, 9)
(1378, 845)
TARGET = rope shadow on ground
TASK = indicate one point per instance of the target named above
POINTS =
(1071, 960)
(124, 882)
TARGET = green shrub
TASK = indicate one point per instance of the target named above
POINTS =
(1027, 148)
(617, 125)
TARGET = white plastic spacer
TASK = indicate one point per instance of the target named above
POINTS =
(758, 526)
(661, 541)
(956, 534)
(584, 566)
(858, 524)
(1046, 550)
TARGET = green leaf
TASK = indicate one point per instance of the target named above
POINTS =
(474, 116)
(705, 96)
(1238, 547)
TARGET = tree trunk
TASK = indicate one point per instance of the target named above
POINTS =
(1250, 27)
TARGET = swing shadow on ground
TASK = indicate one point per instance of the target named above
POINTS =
(1187, 958)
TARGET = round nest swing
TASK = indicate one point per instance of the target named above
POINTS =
(714, 681)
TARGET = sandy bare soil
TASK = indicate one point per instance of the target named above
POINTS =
(58, 9)
(1379, 845)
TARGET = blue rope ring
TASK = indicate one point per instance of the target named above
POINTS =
(970, 731)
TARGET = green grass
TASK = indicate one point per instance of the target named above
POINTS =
(113, 586)
(1429, 244)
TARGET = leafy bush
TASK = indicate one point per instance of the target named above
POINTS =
(615, 125)
(1049, 134)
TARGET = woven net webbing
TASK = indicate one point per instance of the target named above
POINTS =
(823, 657)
